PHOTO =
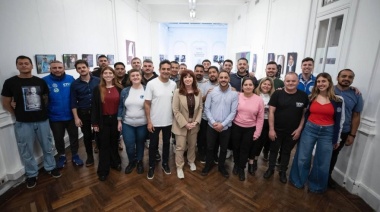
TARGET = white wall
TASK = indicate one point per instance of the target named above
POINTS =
(62, 27)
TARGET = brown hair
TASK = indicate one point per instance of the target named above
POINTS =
(182, 88)
(102, 84)
(330, 90)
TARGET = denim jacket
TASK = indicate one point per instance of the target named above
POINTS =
(338, 118)
(123, 96)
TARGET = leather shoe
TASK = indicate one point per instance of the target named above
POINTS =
(241, 175)
(130, 167)
(268, 173)
(235, 170)
(206, 170)
(223, 171)
(283, 178)
(102, 178)
(140, 167)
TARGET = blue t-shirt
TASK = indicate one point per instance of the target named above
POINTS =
(353, 103)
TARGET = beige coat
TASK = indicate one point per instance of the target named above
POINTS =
(181, 113)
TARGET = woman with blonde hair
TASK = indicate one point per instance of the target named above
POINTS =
(105, 104)
(264, 90)
(325, 117)
(187, 108)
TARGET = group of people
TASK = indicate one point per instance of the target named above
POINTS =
(206, 110)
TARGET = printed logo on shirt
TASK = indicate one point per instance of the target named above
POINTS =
(67, 84)
(141, 96)
(299, 104)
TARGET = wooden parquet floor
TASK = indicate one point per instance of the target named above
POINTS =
(80, 190)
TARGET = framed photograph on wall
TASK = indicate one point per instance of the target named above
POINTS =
(111, 59)
(131, 51)
(254, 63)
(280, 62)
(162, 57)
(271, 57)
(292, 62)
(43, 62)
(183, 58)
(69, 61)
(176, 58)
(221, 59)
(147, 58)
(89, 58)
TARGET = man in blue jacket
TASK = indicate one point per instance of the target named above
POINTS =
(60, 114)
(306, 78)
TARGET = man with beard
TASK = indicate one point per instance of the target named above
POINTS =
(182, 67)
(353, 107)
(60, 114)
(148, 71)
(81, 97)
(199, 72)
(102, 63)
(120, 72)
(227, 65)
(271, 71)
(220, 108)
(206, 64)
(205, 88)
(174, 72)
(242, 71)
(159, 115)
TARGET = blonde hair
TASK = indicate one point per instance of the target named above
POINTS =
(258, 90)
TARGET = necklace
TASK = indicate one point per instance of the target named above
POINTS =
(109, 89)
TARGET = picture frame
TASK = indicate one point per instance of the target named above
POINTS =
(89, 58)
(111, 59)
(69, 61)
(43, 62)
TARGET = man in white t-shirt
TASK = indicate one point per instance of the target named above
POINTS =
(158, 111)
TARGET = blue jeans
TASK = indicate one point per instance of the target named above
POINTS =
(318, 176)
(26, 133)
(134, 138)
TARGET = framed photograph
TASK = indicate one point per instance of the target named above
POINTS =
(110, 58)
(292, 62)
(221, 59)
(131, 51)
(162, 57)
(69, 61)
(89, 58)
(183, 58)
(271, 57)
(176, 58)
(147, 58)
(254, 63)
(43, 62)
(280, 63)
(215, 58)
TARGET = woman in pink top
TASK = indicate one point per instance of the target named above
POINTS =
(246, 126)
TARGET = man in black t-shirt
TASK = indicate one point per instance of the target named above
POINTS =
(286, 117)
(29, 95)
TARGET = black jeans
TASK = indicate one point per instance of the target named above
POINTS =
(286, 143)
(261, 141)
(108, 145)
(153, 145)
(85, 117)
(213, 137)
(202, 138)
(58, 128)
(242, 140)
(335, 153)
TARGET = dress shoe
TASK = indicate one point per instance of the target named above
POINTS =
(241, 175)
(223, 171)
(268, 173)
(130, 167)
(140, 167)
(206, 170)
(283, 178)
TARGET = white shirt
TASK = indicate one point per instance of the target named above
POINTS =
(161, 95)
(134, 104)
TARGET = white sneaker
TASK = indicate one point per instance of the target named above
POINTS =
(193, 167)
(180, 174)
(147, 143)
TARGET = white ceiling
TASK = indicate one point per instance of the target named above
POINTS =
(198, 2)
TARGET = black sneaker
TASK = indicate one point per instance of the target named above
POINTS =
(55, 173)
(140, 167)
(166, 168)
(90, 160)
(206, 170)
(158, 156)
(268, 173)
(223, 171)
(31, 182)
(283, 178)
(130, 167)
(150, 173)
